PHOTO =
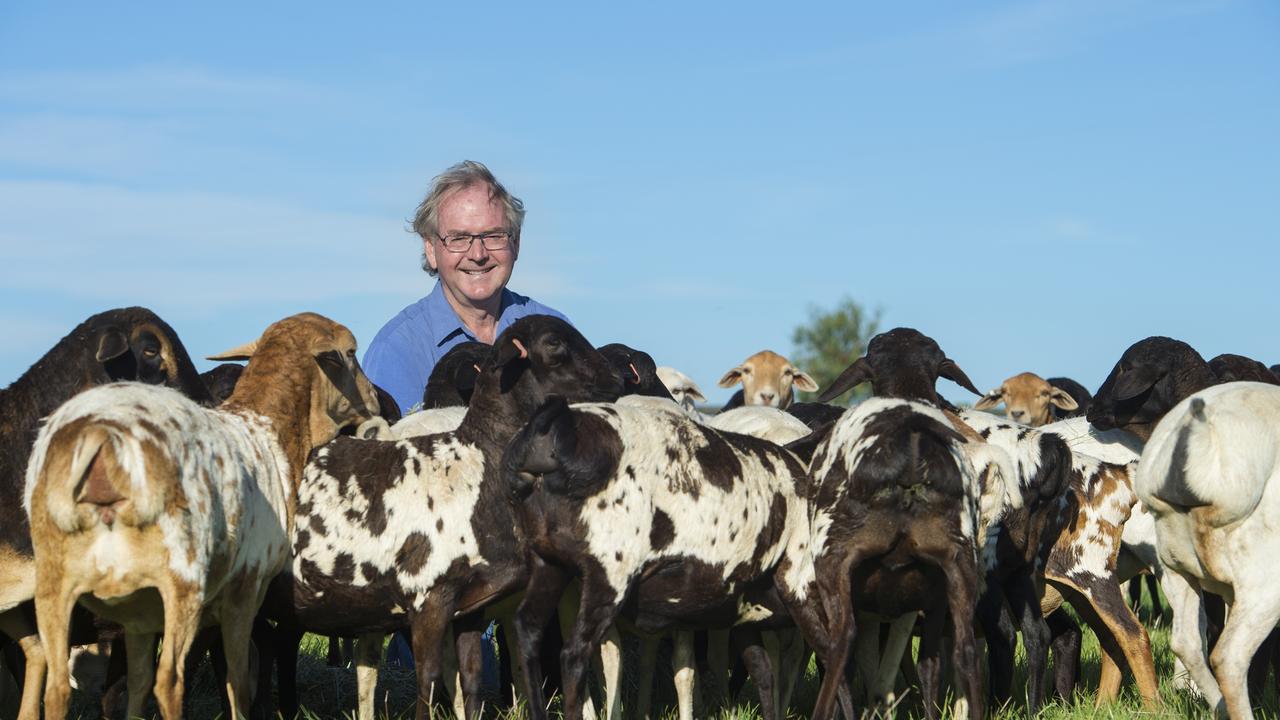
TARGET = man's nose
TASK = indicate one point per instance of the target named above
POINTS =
(477, 250)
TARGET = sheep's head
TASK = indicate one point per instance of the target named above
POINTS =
(767, 379)
(453, 379)
(1151, 377)
(540, 356)
(638, 371)
(135, 344)
(313, 352)
(682, 387)
(1028, 399)
(1238, 368)
(902, 363)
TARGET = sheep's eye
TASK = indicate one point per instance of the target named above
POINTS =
(150, 352)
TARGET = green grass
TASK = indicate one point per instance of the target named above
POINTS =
(329, 693)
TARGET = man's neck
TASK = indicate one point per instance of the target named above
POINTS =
(481, 320)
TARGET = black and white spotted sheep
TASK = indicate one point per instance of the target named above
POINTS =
(1079, 541)
(897, 528)
(678, 521)
(413, 532)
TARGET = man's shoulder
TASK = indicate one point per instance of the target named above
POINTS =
(519, 306)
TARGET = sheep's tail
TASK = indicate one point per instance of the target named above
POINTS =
(1202, 473)
(86, 474)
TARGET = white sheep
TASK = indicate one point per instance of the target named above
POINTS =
(682, 387)
(1210, 475)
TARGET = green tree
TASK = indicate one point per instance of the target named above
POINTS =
(831, 340)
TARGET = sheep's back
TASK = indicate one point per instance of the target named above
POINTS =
(685, 490)
(215, 483)
(395, 513)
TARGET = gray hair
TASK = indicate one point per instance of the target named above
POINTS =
(463, 175)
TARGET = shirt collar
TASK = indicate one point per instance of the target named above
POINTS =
(445, 321)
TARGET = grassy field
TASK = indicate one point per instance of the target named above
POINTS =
(331, 693)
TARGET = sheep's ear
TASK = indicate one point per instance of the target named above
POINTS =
(856, 374)
(731, 378)
(951, 371)
(1136, 381)
(1061, 400)
(244, 352)
(990, 400)
(509, 351)
(112, 344)
(693, 392)
(804, 382)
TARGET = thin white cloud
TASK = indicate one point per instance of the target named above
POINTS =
(90, 240)
(158, 86)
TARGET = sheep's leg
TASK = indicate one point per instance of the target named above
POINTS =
(53, 617)
(451, 678)
(838, 601)
(14, 623)
(682, 663)
(597, 611)
(541, 598)
(891, 657)
(866, 653)
(1025, 603)
(568, 612)
(794, 656)
(758, 658)
(1189, 635)
(1002, 637)
(611, 671)
(962, 596)
(1066, 643)
(1121, 627)
(1249, 620)
(468, 646)
(237, 626)
(140, 673)
(287, 640)
(644, 692)
(182, 608)
(427, 629)
(717, 680)
(368, 653)
(930, 665)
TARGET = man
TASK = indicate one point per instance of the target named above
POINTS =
(470, 230)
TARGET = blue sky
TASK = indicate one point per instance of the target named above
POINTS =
(1036, 185)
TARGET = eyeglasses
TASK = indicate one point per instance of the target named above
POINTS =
(460, 243)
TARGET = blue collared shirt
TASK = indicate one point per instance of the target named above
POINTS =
(404, 351)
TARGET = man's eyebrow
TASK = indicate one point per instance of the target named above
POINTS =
(496, 229)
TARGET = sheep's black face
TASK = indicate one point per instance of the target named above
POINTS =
(636, 370)
(1151, 377)
(135, 344)
(540, 356)
(902, 363)
(222, 380)
(1238, 368)
(453, 379)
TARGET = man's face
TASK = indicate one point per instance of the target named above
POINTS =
(477, 276)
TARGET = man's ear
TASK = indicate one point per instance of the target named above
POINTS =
(429, 252)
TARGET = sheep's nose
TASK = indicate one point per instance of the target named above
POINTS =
(766, 398)
(1018, 414)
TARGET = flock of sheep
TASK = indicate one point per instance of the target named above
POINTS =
(549, 478)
